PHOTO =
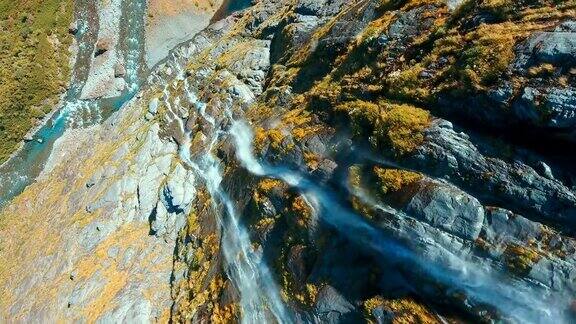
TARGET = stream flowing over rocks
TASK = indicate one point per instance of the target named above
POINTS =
(302, 161)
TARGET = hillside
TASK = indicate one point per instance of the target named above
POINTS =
(310, 161)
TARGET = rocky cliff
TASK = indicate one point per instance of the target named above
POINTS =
(321, 161)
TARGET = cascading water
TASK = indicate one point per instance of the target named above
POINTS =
(259, 294)
(133, 14)
(515, 299)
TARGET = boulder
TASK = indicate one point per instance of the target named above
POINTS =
(319, 7)
(119, 70)
(331, 306)
(153, 106)
(447, 207)
(561, 106)
(503, 226)
(557, 47)
(73, 28)
(102, 46)
(179, 190)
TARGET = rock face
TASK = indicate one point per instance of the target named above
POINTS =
(172, 22)
(94, 231)
(449, 209)
(294, 162)
(517, 186)
(557, 47)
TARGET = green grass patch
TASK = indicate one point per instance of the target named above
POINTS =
(34, 64)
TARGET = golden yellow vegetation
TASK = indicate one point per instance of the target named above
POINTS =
(391, 180)
(406, 310)
(520, 259)
(388, 126)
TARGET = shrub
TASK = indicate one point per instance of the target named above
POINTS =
(388, 126)
(486, 58)
(404, 310)
(391, 180)
(407, 84)
(541, 70)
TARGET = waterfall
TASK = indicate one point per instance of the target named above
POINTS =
(259, 293)
(517, 299)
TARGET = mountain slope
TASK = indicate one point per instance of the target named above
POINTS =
(319, 161)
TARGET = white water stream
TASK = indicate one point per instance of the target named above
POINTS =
(515, 299)
(260, 297)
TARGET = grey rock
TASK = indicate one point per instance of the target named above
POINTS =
(243, 92)
(119, 70)
(179, 189)
(267, 207)
(502, 226)
(113, 252)
(148, 188)
(252, 67)
(553, 108)
(331, 306)
(132, 309)
(545, 170)
(297, 264)
(96, 178)
(567, 26)
(319, 7)
(310, 7)
(556, 274)
(382, 316)
(153, 106)
(410, 24)
(348, 26)
(160, 221)
(503, 94)
(325, 170)
(453, 4)
(561, 103)
(447, 207)
(73, 28)
(514, 186)
(557, 47)
(294, 35)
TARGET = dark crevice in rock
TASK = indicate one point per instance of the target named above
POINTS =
(151, 220)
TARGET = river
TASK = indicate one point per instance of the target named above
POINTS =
(23, 168)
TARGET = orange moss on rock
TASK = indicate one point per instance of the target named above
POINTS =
(396, 127)
(520, 259)
(405, 310)
(392, 180)
(303, 211)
